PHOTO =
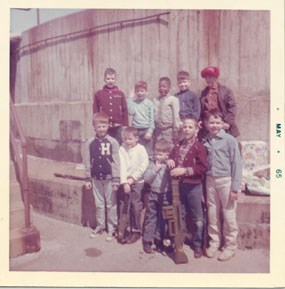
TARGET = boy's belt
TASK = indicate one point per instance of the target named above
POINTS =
(192, 181)
(164, 128)
(102, 177)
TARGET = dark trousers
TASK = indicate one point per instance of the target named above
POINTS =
(154, 226)
(116, 132)
(191, 202)
(134, 206)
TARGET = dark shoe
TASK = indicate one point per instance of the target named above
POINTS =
(133, 238)
(160, 248)
(198, 252)
(147, 247)
(121, 239)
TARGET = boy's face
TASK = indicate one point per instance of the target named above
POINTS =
(129, 140)
(183, 84)
(189, 128)
(140, 93)
(110, 80)
(163, 88)
(161, 156)
(214, 124)
(210, 80)
(101, 129)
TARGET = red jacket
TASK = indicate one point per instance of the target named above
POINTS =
(113, 102)
(196, 158)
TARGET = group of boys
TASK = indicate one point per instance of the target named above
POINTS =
(180, 136)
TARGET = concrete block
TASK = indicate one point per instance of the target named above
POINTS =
(61, 200)
(22, 241)
(253, 209)
(253, 215)
(252, 236)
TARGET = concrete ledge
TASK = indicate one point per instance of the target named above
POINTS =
(65, 200)
(62, 199)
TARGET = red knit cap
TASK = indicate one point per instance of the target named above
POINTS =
(210, 71)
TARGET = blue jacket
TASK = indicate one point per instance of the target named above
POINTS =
(160, 182)
(189, 104)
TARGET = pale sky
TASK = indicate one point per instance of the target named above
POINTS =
(22, 20)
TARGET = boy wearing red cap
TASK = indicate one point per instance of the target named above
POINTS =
(218, 97)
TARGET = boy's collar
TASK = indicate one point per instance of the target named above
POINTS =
(161, 97)
(189, 141)
(110, 88)
(182, 91)
(101, 137)
(131, 147)
(139, 99)
(220, 134)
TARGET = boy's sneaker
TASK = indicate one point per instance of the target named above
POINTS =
(96, 233)
(211, 252)
(121, 238)
(110, 237)
(160, 248)
(226, 255)
(166, 242)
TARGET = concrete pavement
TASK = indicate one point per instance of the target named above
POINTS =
(67, 247)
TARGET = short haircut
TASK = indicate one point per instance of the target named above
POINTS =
(109, 70)
(193, 118)
(214, 112)
(165, 78)
(130, 130)
(162, 146)
(141, 84)
(100, 117)
(183, 75)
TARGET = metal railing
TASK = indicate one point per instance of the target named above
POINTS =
(20, 160)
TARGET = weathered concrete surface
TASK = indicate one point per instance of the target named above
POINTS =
(67, 248)
(22, 240)
(254, 221)
(65, 200)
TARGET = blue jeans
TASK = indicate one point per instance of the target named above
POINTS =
(154, 226)
(116, 132)
(191, 201)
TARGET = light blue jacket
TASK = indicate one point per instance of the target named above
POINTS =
(224, 159)
(142, 112)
